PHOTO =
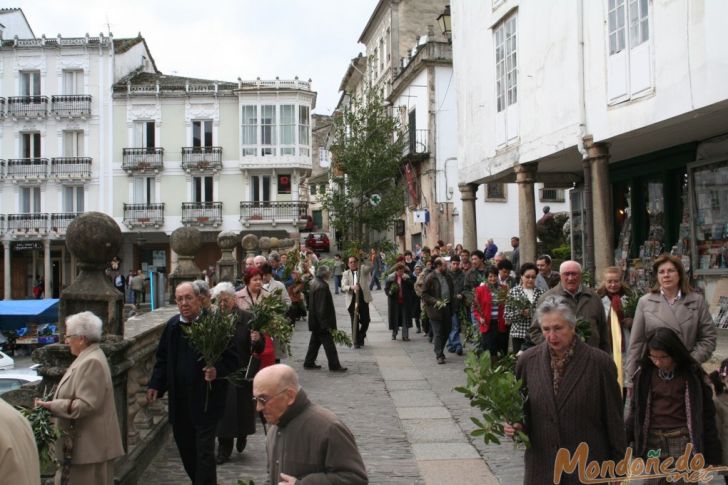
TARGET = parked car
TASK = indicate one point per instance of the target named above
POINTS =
(13, 379)
(6, 362)
(318, 242)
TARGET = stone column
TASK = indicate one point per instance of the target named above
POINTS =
(47, 280)
(227, 266)
(598, 157)
(525, 175)
(185, 241)
(8, 293)
(470, 230)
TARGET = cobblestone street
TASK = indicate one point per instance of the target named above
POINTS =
(411, 427)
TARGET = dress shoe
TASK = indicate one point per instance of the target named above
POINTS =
(441, 360)
(357, 346)
(311, 366)
(394, 337)
(460, 352)
(339, 369)
(240, 444)
(221, 459)
(429, 339)
(419, 330)
(451, 350)
(405, 339)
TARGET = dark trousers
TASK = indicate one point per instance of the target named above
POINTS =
(517, 343)
(196, 445)
(337, 283)
(494, 341)
(364, 318)
(440, 330)
(319, 338)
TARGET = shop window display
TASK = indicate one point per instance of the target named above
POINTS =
(710, 199)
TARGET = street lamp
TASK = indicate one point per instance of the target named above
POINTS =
(445, 25)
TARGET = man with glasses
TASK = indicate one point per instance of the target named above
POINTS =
(300, 430)
(180, 371)
(585, 303)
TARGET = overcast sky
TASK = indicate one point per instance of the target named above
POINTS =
(224, 39)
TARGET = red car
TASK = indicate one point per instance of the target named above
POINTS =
(318, 242)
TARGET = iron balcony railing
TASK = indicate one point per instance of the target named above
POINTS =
(201, 158)
(71, 167)
(143, 159)
(273, 211)
(33, 222)
(2, 107)
(202, 213)
(28, 106)
(27, 168)
(71, 105)
(2, 169)
(415, 142)
(144, 214)
(2, 224)
(61, 220)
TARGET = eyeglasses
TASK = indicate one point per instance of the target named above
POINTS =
(262, 400)
(666, 271)
(571, 273)
(71, 335)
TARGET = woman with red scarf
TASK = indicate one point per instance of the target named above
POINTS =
(399, 288)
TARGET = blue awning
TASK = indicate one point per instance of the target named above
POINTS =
(18, 313)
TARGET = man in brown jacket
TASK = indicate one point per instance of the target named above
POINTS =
(584, 302)
(306, 442)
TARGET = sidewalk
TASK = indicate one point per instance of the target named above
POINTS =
(411, 428)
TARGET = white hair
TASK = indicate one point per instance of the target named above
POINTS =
(202, 286)
(84, 324)
(570, 261)
(259, 258)
(222, 287)
(556, 304)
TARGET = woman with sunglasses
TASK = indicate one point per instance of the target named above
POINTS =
(672, 403)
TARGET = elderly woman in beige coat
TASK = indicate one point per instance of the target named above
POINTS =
(672, 303)
(84, 406)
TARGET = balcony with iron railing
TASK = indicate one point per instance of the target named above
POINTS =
(71, 168)
(255, 212)
(2, 224)
(415, 143)
(202, 213)
(2, 169)
(145, 159)
(202, 159)
(27, 169)
(61, 220)
(144, 215)
(71, 106)
(2, 107)
(28, 106)
(27, 224)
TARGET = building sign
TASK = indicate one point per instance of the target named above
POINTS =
(27, 245)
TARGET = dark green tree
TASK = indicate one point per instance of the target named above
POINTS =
(367, 169)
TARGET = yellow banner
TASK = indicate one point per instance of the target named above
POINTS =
(616, 345)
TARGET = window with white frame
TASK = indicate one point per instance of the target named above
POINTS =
(145, 190)
(629, 64)
(73, 143)
(304, 129)
(260, 188)
(324, 157)
(288, 129)
(30, 200)
(72, 81)
(73, 198)
(30, 83)
(144, 134)
(268, 129)
(202, 189)
(30, 145)
(202, 133)
(506, 69)
(250, 130)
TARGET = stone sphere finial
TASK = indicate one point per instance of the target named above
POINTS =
(93, 237)
(227, 240)
(186, 241)
(264, 243)
(275, 243)
(250, 242)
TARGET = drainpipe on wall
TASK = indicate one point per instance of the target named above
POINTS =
(588, 259)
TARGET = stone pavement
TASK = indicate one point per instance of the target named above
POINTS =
(411, 427)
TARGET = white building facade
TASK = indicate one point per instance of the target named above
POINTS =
(627, 99)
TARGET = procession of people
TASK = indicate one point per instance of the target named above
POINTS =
(593, 374)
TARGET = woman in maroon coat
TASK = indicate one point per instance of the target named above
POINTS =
(573, 397)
